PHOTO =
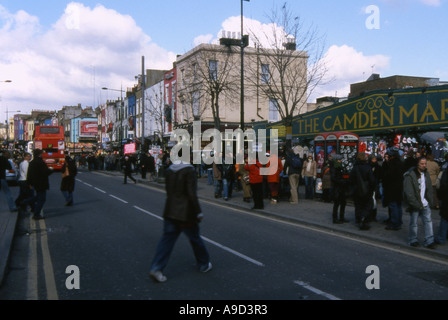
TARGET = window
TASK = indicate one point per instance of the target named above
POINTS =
(195, 104)
(213, 70)
(265, 76)
(166, 95)
(194, 68)
(273, 110)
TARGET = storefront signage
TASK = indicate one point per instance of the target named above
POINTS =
(378, 112)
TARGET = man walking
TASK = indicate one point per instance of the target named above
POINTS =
(37, 178)
(25, 190)
(127, 168)
(418, 193)
(182, 214)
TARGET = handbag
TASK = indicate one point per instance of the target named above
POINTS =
(246, 178)
(66, 173)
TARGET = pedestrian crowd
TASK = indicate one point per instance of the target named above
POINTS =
(31, 175)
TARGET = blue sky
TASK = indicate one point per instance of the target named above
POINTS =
(61, 53)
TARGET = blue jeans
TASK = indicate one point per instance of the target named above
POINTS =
(309, 187)
(425, 215)
(68, 196)
(36, 201)
(218, 188)
(443, 231)
(396, 214)
(210, 176)
(171, 232)
(11, 204)
(227, 188)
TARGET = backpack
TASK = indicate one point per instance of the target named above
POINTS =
(296, 162)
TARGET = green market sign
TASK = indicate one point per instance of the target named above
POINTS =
(378, 111)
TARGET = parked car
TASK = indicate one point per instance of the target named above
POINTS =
(12, 175)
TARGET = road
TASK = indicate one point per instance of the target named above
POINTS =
(102, 247)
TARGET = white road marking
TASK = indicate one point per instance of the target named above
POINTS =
(234, 252)
(316, 291)
(147, 212)
(100, 190)
(124, 201)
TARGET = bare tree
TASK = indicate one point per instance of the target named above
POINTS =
(288, 63)
(210, 76)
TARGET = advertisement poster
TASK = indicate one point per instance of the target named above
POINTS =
(88, 128)
(129, 148)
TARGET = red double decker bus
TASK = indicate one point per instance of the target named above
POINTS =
(50, 139)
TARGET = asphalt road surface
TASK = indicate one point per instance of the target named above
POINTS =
(102, 247)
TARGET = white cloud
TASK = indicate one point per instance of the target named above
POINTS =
(202, 39)
(57, 67)
(434, 3)
(405, 3)
(345, 66)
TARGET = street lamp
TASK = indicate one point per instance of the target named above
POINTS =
(243, 45)
(121, 106)
(104, 88)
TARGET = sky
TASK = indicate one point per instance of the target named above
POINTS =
(61, 53)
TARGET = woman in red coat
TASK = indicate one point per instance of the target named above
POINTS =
(256, 183)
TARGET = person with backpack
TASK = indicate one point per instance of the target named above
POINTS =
(293, 168)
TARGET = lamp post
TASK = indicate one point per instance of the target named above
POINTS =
(121, 102)
(243, 45)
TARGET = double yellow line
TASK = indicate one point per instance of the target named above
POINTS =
(38, 234)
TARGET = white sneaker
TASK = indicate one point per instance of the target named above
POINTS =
(157, 276)
(206, 268)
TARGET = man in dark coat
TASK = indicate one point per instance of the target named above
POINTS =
(393, 189)
(127, 169)
(68, 182)
(340, 189)
(182, 214)
(37, 178)
(363, 183)
(150, 166)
